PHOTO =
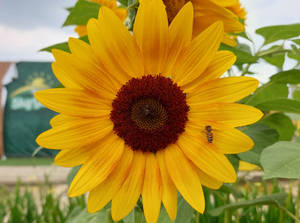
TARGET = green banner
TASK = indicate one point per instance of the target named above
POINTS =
(24, 117)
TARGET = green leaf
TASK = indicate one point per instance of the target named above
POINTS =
(231, 189)
(63, 46)
(281, 105)
(82, 12)
(283, 125)
(287, 77)
(267, 92)
(275, 55)
(83, 216)
(184, 213)
(296, 95)
(281, 32)
(294, 53)
(263, 136)
(281, 160)
(273, 199)
(243, 53)
(297, 41)
(234, 160)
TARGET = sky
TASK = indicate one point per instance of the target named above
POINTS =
(26, 26)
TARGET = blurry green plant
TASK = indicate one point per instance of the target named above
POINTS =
(249, 202)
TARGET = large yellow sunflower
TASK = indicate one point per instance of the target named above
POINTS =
(207, 12)
(112, 4)
(147, 113)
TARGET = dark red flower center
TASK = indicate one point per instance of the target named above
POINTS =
(149, 113)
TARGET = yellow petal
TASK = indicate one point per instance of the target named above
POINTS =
(181, 30)
(114, 46)
(63, 75)
(207, 13)
(73, 73)
(184, 177)
(60, 119)
(224, 115)
(169, 192)
(222, 61)
(245, 166)
(197, 56)
(98, 166)
(232, 141)
(125, 199)
(226, 141)
(229, 40)
(208, 181)
(82, 50)
(73, 157)
(103, 193)
(224, 90)
(152, 192)
(225, 3)
(75, 134)
(208, 160)
(74, 102)
(151, 34)
(127, 55)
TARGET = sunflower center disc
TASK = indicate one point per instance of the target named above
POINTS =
(149, 113)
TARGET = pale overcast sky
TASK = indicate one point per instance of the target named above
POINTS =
(29, 25)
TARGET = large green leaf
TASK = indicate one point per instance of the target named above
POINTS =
(63, 46)
(281, 105)
(283, 125)
(262, 136)
(281, 160)
(273, 199)
(281, 32)
(267, 92)
(82, 12)
(287, 77)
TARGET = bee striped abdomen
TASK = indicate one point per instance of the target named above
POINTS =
(209, 133)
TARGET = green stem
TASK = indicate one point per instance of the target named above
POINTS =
(245, 71)
(237, 216)
(227, 217)
(197, 217)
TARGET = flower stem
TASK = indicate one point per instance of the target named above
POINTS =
(227, 218)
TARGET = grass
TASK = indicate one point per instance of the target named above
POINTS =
(31, 161)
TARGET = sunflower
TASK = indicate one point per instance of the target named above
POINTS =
(112, 4)
(207, 12)
(147, 113)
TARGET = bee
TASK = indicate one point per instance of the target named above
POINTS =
(209, 133)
